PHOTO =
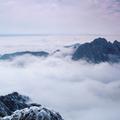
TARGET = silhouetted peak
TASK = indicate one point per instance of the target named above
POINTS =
(99, 50)
(16, 107)
(116, 42)
(100, 41)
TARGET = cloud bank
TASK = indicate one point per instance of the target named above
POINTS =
(78, 90)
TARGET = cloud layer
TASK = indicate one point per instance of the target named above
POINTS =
(78, 90)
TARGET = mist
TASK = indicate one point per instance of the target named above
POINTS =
(78, 90)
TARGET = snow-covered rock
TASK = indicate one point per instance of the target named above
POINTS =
(16, 107)
(34, 113)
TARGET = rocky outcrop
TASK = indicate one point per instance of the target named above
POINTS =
(34, 113)
(99, 50)
(16, 107)
(11, 103)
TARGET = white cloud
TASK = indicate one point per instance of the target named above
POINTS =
(78, 90)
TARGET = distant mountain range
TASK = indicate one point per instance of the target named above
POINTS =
(97, 51)
(16, 107)
(10, 56)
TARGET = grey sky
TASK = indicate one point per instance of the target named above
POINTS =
(60, 16)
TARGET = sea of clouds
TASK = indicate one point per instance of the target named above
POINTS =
(77, 89)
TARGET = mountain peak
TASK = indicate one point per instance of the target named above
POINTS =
(116, 42)
(99, 50)
(15, 107)
(100, 41)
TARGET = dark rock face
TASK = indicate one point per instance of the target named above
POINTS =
(16, 54)
(99, 50)
(15, 107)
(11, 103)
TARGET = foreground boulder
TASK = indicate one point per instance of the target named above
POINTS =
(11, 103)
(16, 107)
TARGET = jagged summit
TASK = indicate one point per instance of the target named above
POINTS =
(99, 41)
(99, 50)
(16, 107)
(11, 103)
(117, 43)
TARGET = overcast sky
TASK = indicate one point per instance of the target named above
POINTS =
(60, 16)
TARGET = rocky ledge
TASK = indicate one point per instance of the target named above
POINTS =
(16, 107)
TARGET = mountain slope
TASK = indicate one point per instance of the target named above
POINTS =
(11, 103)
(15, 107)
(34, 113)
(99, 50)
